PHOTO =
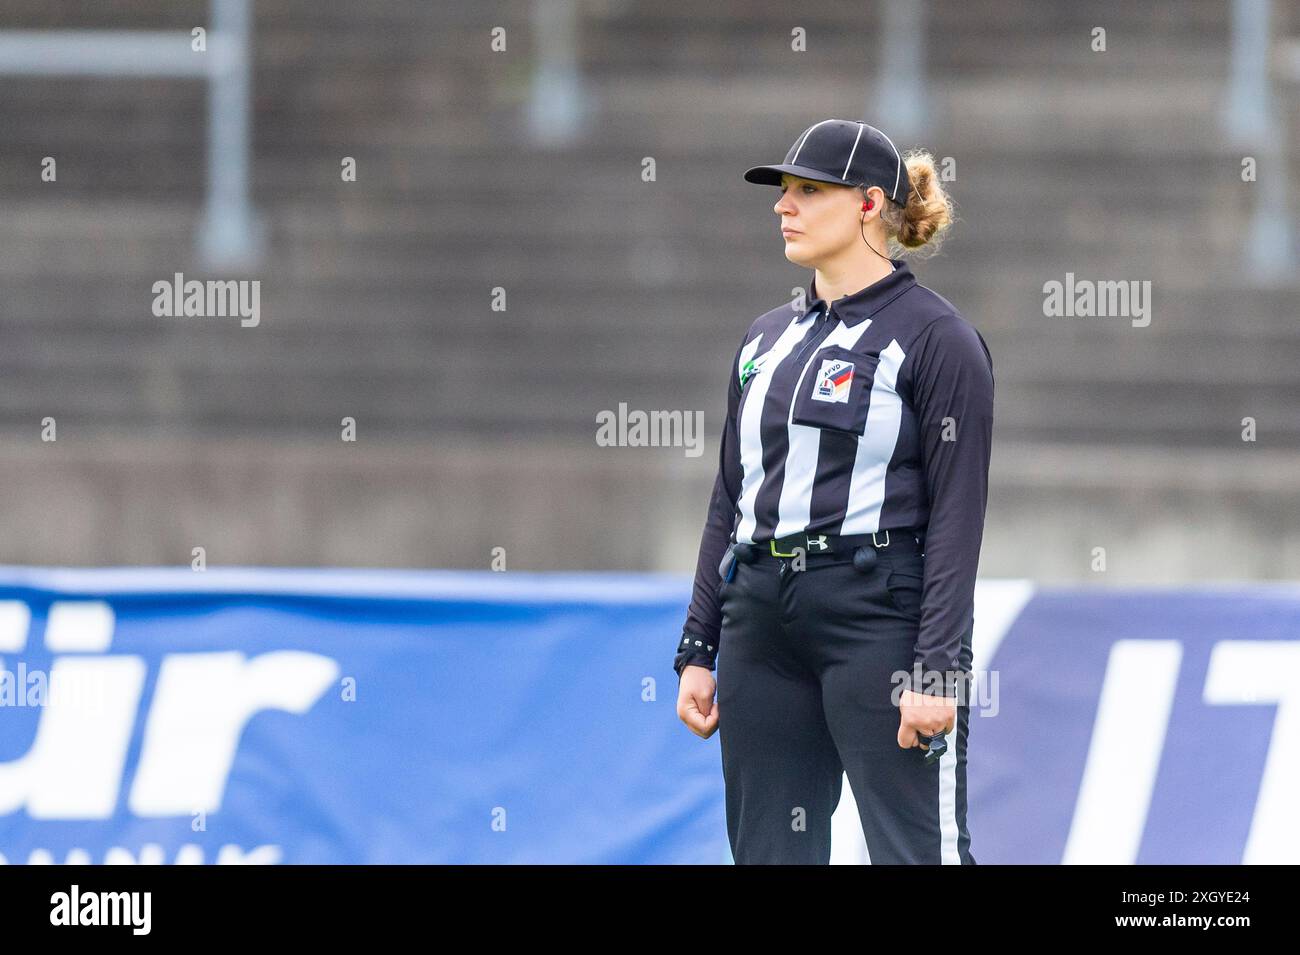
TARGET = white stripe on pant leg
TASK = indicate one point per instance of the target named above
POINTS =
(848, 841)
(948, 802)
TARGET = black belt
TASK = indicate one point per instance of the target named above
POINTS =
(906, 540)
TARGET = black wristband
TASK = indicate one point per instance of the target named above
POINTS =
(694, 650)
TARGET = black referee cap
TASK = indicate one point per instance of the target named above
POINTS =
(842, 151)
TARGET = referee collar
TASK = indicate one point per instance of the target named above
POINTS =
(852, 309)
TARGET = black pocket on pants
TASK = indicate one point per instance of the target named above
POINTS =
(725, 569)
(905, 588)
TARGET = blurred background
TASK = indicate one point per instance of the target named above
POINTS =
(476, 227)
(499, 151)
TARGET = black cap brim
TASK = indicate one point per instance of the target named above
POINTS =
(771, 175)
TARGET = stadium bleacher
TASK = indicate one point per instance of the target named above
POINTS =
(377, 294)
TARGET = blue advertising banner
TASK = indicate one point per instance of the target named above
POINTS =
(162, 715)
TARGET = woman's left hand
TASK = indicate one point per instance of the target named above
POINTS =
(930, 715)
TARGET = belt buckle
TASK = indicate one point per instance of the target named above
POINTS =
(877, 543)
(777, 553)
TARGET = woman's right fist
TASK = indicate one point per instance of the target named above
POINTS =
(695, 704)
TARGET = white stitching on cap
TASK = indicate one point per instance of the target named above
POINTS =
(805, 139)
(897, 172)
(854, 150)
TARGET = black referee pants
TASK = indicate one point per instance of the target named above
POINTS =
(805, 671)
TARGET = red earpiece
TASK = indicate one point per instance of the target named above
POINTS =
(869, 204)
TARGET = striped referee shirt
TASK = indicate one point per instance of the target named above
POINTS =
(871, 412)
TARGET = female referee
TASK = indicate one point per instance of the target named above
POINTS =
(834, 590)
